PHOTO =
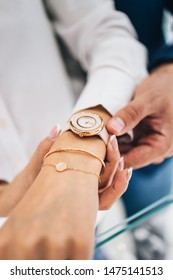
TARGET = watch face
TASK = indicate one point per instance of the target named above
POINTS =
(86, 121)
(86, 124)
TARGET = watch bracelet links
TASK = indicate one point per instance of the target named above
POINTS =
(62, 166)
(74, 150)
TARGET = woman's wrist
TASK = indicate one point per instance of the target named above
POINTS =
(78, 159)
(75, 160)
(85, 162)
(54, 185)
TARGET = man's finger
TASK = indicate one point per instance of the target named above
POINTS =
(148, 151)
(128, 117)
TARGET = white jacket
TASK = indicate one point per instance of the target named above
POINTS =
(35, 90)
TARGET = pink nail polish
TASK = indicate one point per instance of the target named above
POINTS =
(114, 142)
(54, 132)
(129, 173)
(121, 164)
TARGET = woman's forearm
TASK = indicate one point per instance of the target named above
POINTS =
(56, 217)
(58, 212)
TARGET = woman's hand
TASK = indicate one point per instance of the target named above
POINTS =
(113, 184)
(115, 179)
(56, 217)
(11, 194)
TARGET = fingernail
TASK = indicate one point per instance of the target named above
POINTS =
(129, 173)
(117, 124)
(121, 164)
(54, 132)
(114, 142)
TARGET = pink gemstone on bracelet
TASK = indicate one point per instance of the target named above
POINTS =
(61, 166)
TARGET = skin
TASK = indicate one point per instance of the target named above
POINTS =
(55, 218)
(13, 192)
(150, 115)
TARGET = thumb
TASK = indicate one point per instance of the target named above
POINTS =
(23, 180)
(34, 165)
(128, 117)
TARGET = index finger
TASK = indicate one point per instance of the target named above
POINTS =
(147, 151)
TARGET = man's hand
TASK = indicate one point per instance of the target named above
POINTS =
(150, 115)
(13, 192)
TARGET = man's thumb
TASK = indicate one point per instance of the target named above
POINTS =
(127, 118)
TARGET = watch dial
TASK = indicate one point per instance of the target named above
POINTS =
(86, 122)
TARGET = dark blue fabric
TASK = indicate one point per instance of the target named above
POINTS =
(147, 18)
(148, 185)
(155, 181)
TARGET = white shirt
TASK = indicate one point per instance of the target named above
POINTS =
(35, 90)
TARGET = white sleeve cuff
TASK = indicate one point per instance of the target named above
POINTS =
(109, 87)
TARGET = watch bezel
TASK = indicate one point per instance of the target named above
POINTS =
(82, 132)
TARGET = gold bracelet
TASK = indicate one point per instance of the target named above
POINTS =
(62, 166)
(73, 150)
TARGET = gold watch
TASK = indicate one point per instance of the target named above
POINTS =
(87, 124)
